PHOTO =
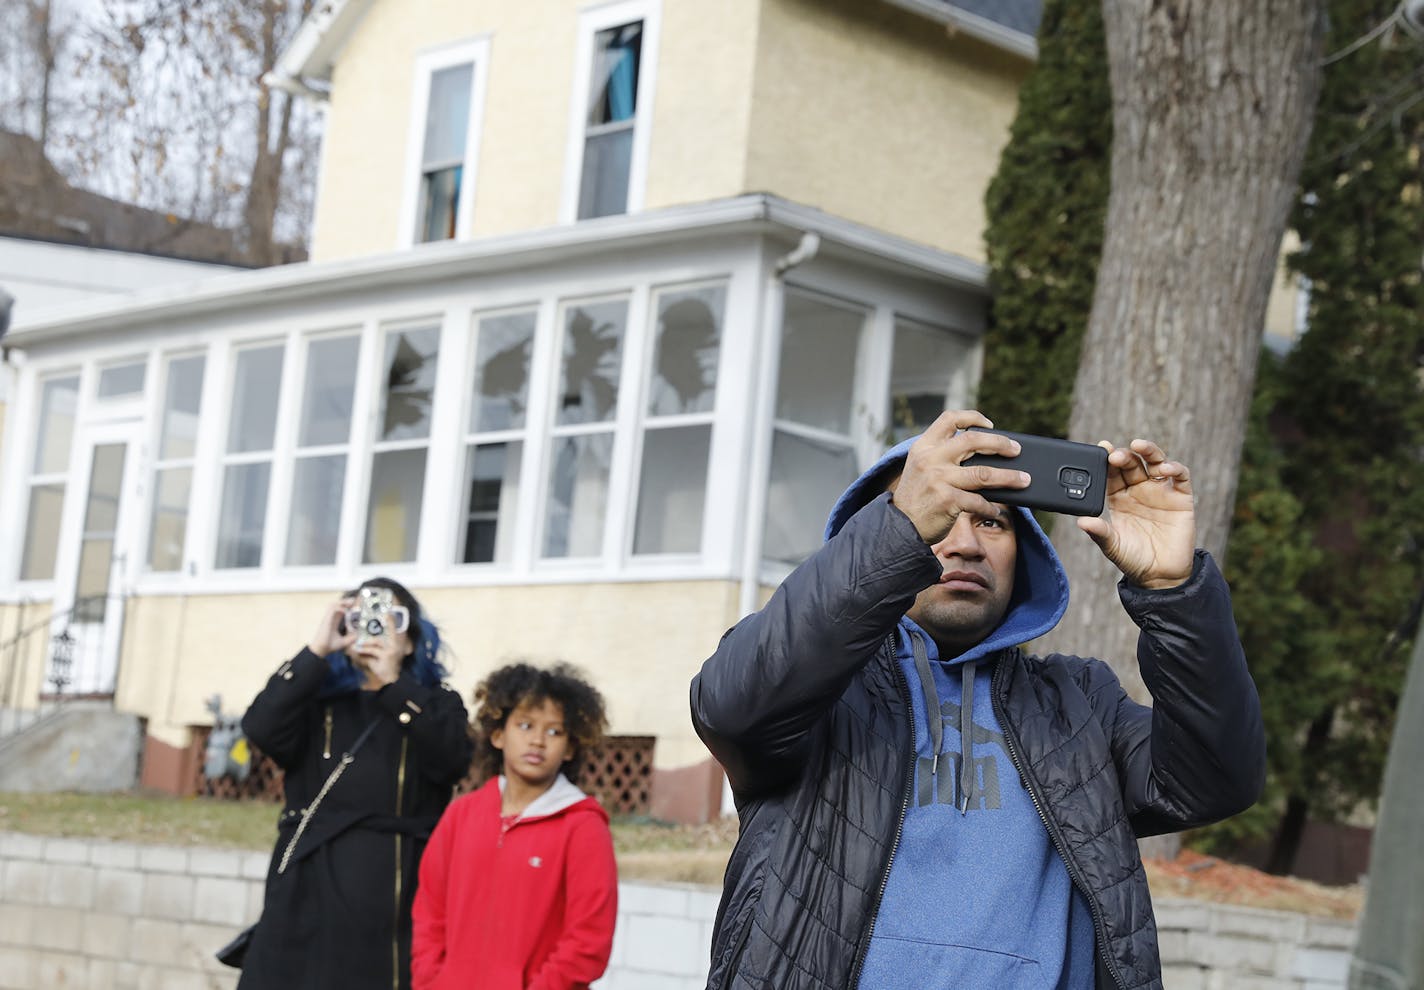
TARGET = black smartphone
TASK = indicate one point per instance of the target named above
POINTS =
(1068, 477)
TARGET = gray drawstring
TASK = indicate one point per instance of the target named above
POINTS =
(968, 779)
(927, 685)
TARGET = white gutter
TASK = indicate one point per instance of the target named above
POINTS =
(307, 60)
(295, 86)
(763, 402)
(973, 25)
(286, 284)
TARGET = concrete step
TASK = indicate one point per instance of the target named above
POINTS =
(79, 747)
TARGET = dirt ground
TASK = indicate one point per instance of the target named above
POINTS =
(1209, 879)
(698, 854)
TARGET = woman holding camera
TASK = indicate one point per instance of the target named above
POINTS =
(372, 745)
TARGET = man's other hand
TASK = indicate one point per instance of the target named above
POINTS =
(1149, 530)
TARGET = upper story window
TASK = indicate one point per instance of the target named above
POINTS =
(610, 132)
(447, 106)
(49, 471)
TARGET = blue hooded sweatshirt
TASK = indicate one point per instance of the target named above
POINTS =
(977, 896)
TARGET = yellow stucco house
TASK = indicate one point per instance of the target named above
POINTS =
(607, 302)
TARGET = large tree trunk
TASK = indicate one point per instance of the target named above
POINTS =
(1212, 107)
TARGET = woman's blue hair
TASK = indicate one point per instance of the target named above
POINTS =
(343, 676)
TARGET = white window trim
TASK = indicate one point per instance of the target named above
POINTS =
(618, 427)
(289, 452)
(645, 421)
(870, 392)
(477, 52)
(268, 456)
(591, 21)
(372, 445)
(26, 414)
(111, 402)
(466, 332)
(199, 463)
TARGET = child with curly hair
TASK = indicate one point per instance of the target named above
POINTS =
(518, 888)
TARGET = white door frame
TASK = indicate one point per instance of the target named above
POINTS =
(96, 678)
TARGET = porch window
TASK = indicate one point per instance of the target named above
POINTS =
(581, 449)
(399, 454)
(122, 381)
(611, 120)
(494, 440)
(173, 472)
(323, 445)
(813, 449)
(247, 461)
(677, 428)
(929, 366)
(59, 403)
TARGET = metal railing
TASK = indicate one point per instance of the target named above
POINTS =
(76, 651)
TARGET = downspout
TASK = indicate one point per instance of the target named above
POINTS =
(762, 412)
(294, 86)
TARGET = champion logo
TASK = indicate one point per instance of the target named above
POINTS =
(535, 861)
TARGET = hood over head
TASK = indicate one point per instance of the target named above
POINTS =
(1040, 594)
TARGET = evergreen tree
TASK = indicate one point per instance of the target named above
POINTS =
(1271, 549)
(1045, 210)
(1328, 647)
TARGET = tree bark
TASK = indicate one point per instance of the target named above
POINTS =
(47, 49)
(264, 180)
(1212, 108)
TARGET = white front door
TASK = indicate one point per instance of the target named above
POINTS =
(89, 604)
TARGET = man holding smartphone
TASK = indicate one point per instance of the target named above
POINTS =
(923, 805)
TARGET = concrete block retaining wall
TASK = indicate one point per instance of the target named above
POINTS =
(99, 915)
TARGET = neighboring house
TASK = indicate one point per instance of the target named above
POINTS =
(60, 244)
(607, 303)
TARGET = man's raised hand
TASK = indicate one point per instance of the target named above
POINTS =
(935, 486)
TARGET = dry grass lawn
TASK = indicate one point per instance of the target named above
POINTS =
(647, 850)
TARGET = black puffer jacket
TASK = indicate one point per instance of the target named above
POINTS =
(806, 709)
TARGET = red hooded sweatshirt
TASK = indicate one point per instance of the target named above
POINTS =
(530, 906)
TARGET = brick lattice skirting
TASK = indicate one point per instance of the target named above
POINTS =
(122, 916)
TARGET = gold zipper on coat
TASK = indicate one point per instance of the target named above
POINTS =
(326, 750)
(395, 932)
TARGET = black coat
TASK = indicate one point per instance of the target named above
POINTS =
(805, 707)
(339, 916)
